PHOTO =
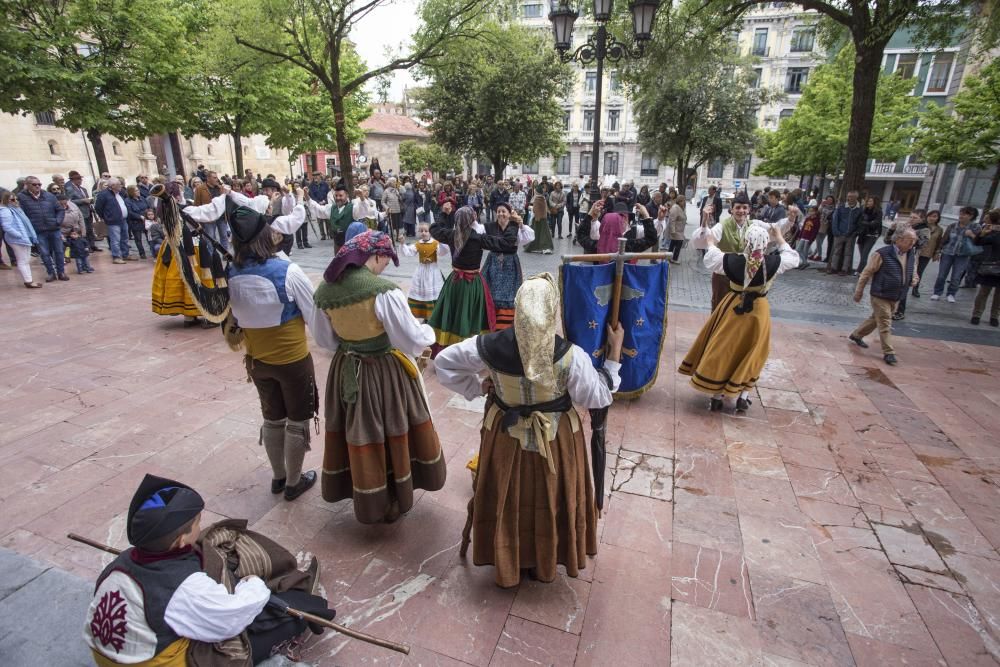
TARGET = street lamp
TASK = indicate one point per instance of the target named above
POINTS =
(600, 46)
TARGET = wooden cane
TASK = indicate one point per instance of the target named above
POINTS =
(311, 618)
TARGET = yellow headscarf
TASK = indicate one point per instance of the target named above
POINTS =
(536, 311)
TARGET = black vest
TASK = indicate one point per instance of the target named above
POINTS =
(734, 266)
(499, 351)
(149, 585)
(889, 281)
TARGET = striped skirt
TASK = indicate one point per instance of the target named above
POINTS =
(503, 275)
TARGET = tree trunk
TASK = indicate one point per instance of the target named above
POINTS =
(95, 138)
(238, 150)
(992, 194)
(499, 165)
(343, 145)
(867, 67)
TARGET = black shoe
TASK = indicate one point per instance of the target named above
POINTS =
(96, 249)
(974, 320)
(305, 483)
(322, 238)
(743, 404)
(299, 246)
(890, 359)
(277, 485)
(897, 316)
(306, 245)
(50, 278)
(715, 405)
(915, 293)
(857, 341)
(994, 322)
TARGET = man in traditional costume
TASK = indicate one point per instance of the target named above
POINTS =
(733, 345)
(181, 597)
(380, 440)
(534, 504)
(729, 236)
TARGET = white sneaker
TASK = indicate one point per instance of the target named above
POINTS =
(951, 299)
(935, 297)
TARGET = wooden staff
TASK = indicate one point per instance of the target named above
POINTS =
(311, 618)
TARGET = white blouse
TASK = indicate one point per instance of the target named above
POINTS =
(284, 224)
(203, 610)
(458, 368)
(789, 258)
(406, 334)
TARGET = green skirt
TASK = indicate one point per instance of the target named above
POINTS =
(464, 308)
(543, 236)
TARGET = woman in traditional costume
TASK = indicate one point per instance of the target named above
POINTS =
(427, 281)
(380, 440)
(732, 348)
(465, 306)
(534, 505)
(540, 225)
(502, 270)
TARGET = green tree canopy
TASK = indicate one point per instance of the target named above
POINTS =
(102, 67)
(312, 35)
(414, 156)
(967, 133)
(499, 101)
(814, 139)
(695, 99)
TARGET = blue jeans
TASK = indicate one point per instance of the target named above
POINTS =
(219, 231)
(118, 239)
(956, 264)
(50, 244)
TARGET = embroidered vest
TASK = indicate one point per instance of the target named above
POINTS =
(427, 252)
(350, 304)
(125, 621)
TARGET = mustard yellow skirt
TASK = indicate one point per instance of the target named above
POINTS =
(170, 296)
(731, 350)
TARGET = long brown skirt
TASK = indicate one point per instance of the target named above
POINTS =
(383, 446)
(524, 516)
(731, 350)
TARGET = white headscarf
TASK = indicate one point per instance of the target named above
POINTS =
(536, 311)
(755, 243)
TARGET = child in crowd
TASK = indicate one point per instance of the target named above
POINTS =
(79, 250)
(155, 604)
(155, 231)
(425, 287)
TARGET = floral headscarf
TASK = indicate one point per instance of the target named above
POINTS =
(357, 251)
(755, 244)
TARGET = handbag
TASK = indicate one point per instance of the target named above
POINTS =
(970, 248)
(420, 210)
(989, 268)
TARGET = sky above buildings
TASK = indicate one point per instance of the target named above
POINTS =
(389, 27)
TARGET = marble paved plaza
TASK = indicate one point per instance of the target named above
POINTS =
(849, 518)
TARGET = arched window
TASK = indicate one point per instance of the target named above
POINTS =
(53, 147)
(245, 149)
(209, 149)
(115, 148)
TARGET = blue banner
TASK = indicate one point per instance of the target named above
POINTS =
(586, 298)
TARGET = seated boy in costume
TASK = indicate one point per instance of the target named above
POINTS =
(156, 604)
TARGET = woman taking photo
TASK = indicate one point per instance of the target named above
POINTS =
(19, 235)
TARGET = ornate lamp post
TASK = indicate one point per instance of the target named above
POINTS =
(600, 46)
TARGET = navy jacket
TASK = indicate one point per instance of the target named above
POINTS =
(846, 220)
(318, 192)
(107, 207)
(136, 209)
(45, 213)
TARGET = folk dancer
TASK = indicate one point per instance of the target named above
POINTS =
(502, 270)
(534, 505)
(380, 440)
(733, 345)
(427, 281)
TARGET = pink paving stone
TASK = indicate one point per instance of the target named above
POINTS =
(639, 523)
(907, 546)
(780, 546)
(806, 451)
(820, 485)
(792, 421)
(945, 582)
(981, 579)
(560, 604)
(782, 399)
(711, 579)
(763, 495)
(756, 460)
(628, 616)
(702, 472)
(753, 431)
(957, 626)
(873, 653)
(874, 488)
(797, 620)
(525, 643)
(700, 636)
(944, 523)
(705, 520)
